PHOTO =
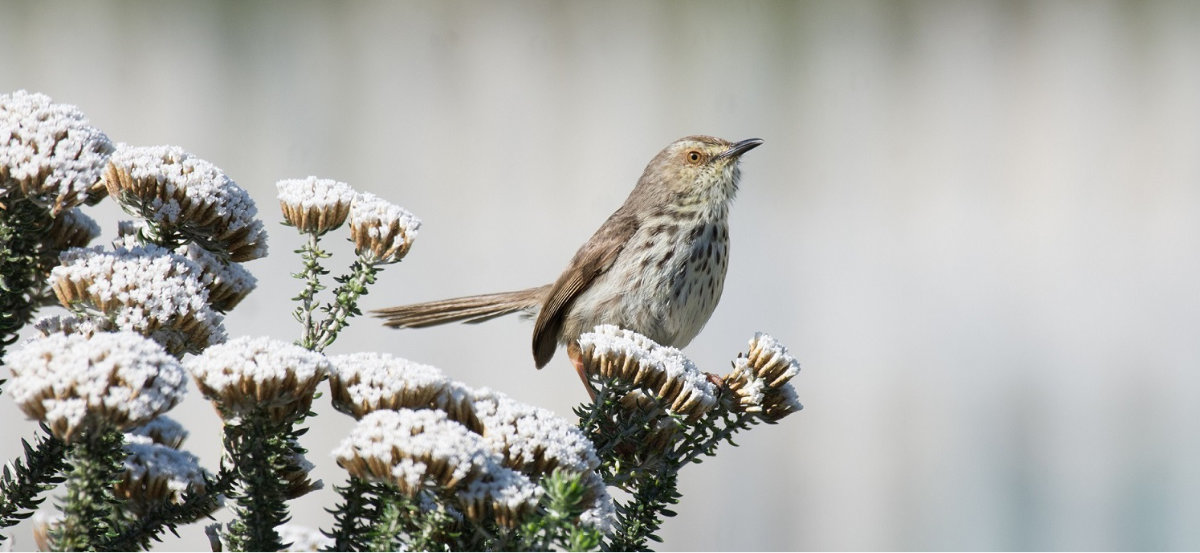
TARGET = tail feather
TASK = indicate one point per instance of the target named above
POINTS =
(470, 309)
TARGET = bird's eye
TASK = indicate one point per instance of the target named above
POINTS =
(694, 156)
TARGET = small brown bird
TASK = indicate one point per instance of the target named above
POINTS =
(656, 266)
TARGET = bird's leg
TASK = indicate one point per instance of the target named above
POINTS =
(576, 356)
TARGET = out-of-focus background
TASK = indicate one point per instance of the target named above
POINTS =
(977, 225)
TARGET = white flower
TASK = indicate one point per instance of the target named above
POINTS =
(189, 195)
(162, 430)
(365, 382)
(609, 351)
(531, 439)
(314, 205)
(145, 289)
(503, 495)
(411, 448)
(248, 375)
(48, 151)
(155, 473)
(760, 379)
(382, 232)
(72, 382)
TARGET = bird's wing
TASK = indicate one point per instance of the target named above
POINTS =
(592, 260)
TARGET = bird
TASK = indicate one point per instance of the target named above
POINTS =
(656, 266)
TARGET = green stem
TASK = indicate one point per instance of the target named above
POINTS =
(693, 447)
(311, 254)
(89, 513)
(260, 453)
(345, 304)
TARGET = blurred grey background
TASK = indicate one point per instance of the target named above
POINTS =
(975, 223)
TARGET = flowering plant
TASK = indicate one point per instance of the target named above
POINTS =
(431, 463)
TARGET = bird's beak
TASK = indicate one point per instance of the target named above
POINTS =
(740, 148)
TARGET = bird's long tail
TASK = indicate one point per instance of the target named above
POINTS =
(470, 309)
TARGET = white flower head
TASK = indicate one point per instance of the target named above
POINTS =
(188, 195)
(73, 382)
(503, 495)
(155, 473)
(314, 205)
(413, 449)
(145, 289)
(760, 379)
(612, 352)
(228, 282)
(162, 430)
(369, 381)
(382, 231)
(531, 439)
(259, 375)
(48, 151)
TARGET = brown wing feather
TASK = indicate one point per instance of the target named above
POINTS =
(592, 260)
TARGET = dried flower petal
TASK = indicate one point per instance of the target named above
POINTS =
(48, 151)
(188, 195)
(382, 232)
(314, 205)
(259, 375)
(73, 382)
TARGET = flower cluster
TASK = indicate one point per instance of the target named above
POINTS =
(249, 375)
(313, 205)
(74, 383)
(181, 194)
(413, 449)
(382, 232)
(145, 289)
(612, 352)
(156, 473)
(421, 431)
(760, 379)
(162, 430)
(364, 382)
(227, 282)
(48, 151)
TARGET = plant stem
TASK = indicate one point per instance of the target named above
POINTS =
(90, 509)
(345, 304)
(260, 451)
(311, 254)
